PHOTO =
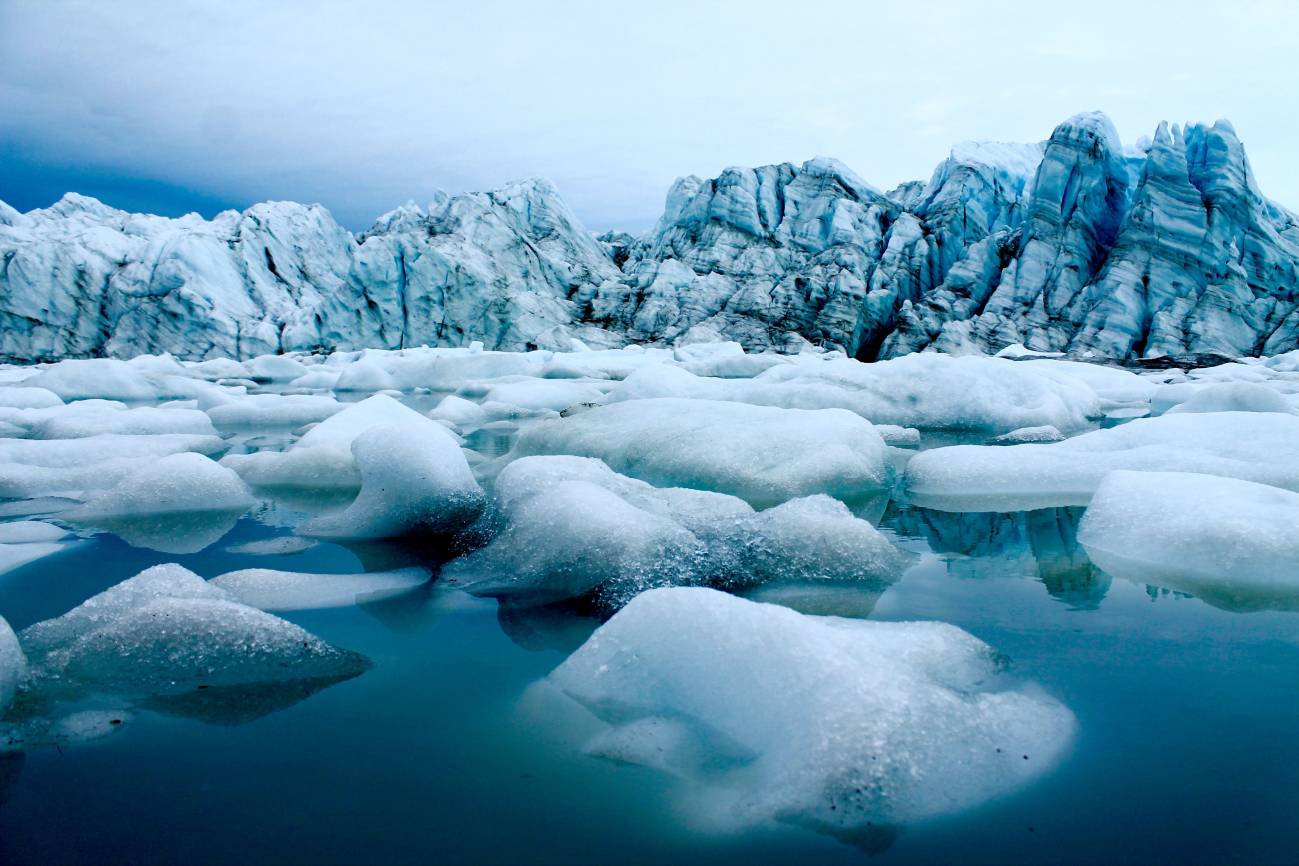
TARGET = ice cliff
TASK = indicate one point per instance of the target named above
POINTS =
(1075, 244)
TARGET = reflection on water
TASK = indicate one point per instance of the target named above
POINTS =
(346, 767)
(238, 705)
(1044, 542)
(180, 532)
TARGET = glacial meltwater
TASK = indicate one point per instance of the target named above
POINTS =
(1185, 752)
(956, 685)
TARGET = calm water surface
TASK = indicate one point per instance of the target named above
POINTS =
(1187, 751)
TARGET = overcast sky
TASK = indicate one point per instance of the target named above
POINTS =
(361, 106)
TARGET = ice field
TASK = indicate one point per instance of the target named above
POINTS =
(456, 605)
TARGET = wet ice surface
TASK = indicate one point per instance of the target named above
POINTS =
(442, 747)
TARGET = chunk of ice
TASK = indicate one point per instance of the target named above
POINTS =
(759, 453)
(838, 724)
(1233, 543)
(269, 589)
(414, 480)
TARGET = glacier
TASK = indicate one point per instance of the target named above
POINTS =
(1078, 245)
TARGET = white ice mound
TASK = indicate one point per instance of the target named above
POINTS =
(573, 526)
(1233, 543)
(821, 721)
(23, 397)
(1233, 397)
(414, 480)
(322, 458)
(1253, 446)
(269, 589)
(536, 395)
(177, 483)
(179, 504)
(31, 468)
(926, 390)
(160, 581)
(166, 631)
(13, 664)
(273, 410)
(105, 378)
(760, 453)
(95, 417)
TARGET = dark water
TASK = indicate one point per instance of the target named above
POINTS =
(1187, 751)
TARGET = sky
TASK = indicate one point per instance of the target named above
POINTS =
(362, 106)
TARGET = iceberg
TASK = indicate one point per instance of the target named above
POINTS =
(831, 723)
(1227, 541)
(760, 453)
(573, 527)
(1073, 245)
(13, 665)
(167, 631)
(414, 480)
(1251, 446)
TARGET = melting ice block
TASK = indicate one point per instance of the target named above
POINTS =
(166, 631)
(1233, 543)
(1253, 446)
(760, 453)
(414, 480)
(574, 526)
(175, 483)
(834, 723)
(322, 458)
(928, 390)
(269, 589)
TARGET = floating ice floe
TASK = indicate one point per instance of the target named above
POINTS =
(273, 590)
(94, 417)
(32, 468)
(1046, 433)
(167, 631)
(537, 395)
(26, 541)
(414, 480)
(928, 391)
(105, 378)
(762, 454)
(274, 410)
(1232, 543)
(1224, 397)
(322, 459)
(180, 503)
(842, 725)
(464, 414)
(573, 527)
(1253, 446)
(27, 397)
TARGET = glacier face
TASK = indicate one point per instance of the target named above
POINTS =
(1075, 244)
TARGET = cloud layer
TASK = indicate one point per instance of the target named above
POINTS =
(361, 107)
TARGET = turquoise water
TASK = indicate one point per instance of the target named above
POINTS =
(439, 754)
